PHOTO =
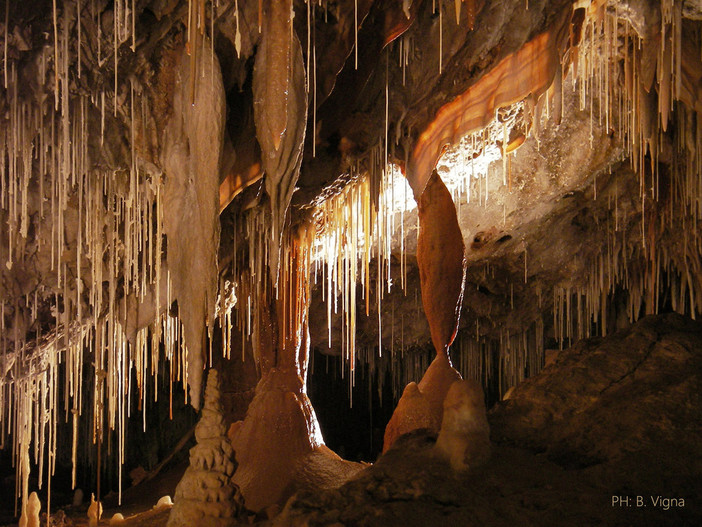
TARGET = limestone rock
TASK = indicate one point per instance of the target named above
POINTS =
(94, 511)
(207, 496)
(634, 391)
(280, 428)
(191, 159)
(117, 519)
(280, 113)
(279, 445)
(413, 412)
(421, 405)
(464, 439)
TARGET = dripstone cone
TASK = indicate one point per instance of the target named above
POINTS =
(206, 496)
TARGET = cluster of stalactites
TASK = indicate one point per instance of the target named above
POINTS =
(640, 83)
(352, 231)
(91, 240)
(639, 80)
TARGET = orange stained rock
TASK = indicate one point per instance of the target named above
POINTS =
(529, 70)
(413, 412)
(421, 405)
(235, 183)
(293, 301)
(441, 261)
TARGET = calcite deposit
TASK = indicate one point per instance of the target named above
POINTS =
(207, 496)
(464, 438)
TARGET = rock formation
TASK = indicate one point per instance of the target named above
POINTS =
(464, 438)
(207, 496)
(130, 129)
(279, 445)
(421, 405)
(191, 161)
(619, 412)
(30, 515)
(442, 270)
(94, 511)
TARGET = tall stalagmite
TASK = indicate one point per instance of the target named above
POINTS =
(206, 496)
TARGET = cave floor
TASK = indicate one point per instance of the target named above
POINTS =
(409, 486)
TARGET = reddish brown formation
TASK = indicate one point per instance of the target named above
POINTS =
(441, 261)
(530, 70)
(442, 271)
(412, 413)
(421, 405)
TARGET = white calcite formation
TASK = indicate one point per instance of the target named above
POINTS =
(117, 519)
(206, 496)
(164, 502)
(464, 439)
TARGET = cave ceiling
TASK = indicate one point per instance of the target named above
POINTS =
(163, 158)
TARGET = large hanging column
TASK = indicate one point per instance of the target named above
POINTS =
(279, 446)
(191, 159)
(442, 271)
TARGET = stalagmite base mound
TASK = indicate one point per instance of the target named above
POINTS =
(279, 446)
(421, 405)
(464, 439)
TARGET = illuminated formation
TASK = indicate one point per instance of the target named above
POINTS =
(434, 197)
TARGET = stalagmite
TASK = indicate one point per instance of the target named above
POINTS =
(94, 511)
(280, 428)
(30, 516)
(413, 412)
(191, 158)
(206, 495)
(464, 439)
(421, 405)
(279, 445)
